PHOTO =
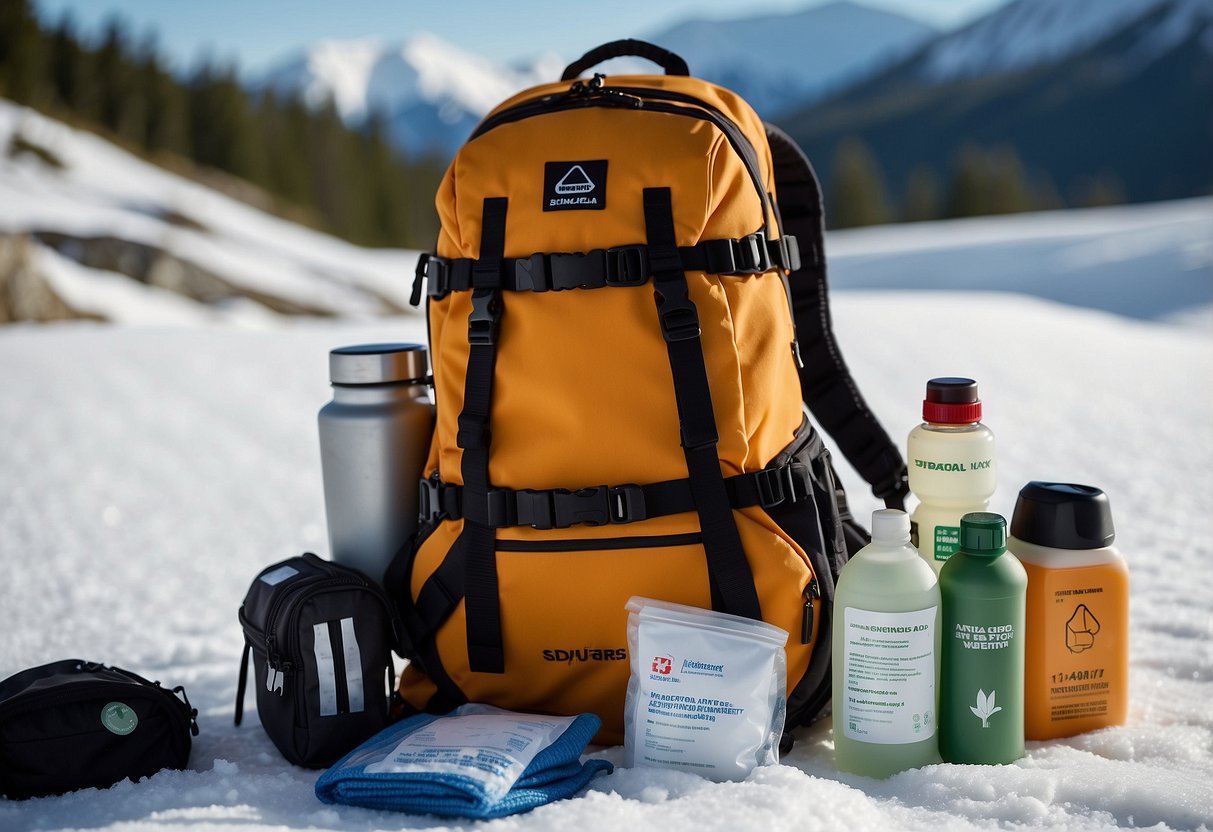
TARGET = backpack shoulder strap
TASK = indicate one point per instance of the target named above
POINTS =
(825, 382)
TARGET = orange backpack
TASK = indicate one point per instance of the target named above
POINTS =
(619, 387)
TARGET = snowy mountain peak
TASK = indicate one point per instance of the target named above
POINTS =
(777, 61)
(432, 92)
(1026, 33)
(363, 75)
(332, 69)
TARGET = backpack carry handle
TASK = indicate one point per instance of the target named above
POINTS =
(629, 48)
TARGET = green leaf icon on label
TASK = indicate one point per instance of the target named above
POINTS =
(985, 707)
(119, 718)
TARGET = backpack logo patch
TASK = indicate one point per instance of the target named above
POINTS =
(575, 186)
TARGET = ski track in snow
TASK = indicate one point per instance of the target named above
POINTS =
(147, 475)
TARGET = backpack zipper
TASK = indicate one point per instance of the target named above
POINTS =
(596, 93)
(592, 544)
(582, 94)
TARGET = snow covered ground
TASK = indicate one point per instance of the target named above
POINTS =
(149, 471)
(146, 475)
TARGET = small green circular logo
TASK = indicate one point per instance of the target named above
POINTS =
(119, 719)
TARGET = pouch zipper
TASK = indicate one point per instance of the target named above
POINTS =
(811, 593)
(591, 544)
(25, 702)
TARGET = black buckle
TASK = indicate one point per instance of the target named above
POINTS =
(429, 506)
(435, 270)
(577, 270)
(438, 501)
(718, 257)
(896, 486)
(789, 250)
(775, 486)
(534, 509)
(499, 510)
(626, 266)
(679, 318)
(472, 437)
(750, 254)
(485, 317)
(531, 274)
(626, 503)
(589, 506)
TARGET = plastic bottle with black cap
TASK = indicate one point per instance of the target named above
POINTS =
(1077, 673)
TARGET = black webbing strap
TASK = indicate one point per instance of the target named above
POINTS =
(483, 610)
(618, 266)
(242, 682)
(560, 508)
(825, 381)
(728, 570)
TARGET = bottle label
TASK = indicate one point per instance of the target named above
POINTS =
(889, 672)
(1077, 638)
(947, 541)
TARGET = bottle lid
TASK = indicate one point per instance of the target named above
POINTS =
(377, 363)
(951, 401)
(1063, 515)
(890, 527)
(983, 533)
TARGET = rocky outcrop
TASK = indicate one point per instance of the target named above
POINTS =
(158, 268)
(25, 294)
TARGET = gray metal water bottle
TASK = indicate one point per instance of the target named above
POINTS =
(374, 439)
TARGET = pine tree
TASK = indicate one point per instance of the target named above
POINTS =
(72, 71)
(167, 107)
(329, 159)
(1045, 196)
(858, 195)
(121, 109)
(24, 53)
(1105, 188)
(1009, 192)
(222, 129)
(967, 194)
(922, 197)
(282, 124)
(991, 182)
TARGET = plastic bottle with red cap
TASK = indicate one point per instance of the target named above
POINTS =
(953, 469)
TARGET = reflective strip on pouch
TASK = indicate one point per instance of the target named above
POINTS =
(325, 671)
(353, 665)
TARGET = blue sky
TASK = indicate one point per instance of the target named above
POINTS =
(257, 32)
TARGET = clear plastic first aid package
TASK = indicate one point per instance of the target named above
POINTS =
(707, 692)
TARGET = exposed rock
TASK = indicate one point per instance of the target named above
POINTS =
(25, 294)
(156, 267)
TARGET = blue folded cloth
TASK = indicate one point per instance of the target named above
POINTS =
(439, 770)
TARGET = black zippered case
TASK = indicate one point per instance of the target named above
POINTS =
(321, 636)
(74, 724)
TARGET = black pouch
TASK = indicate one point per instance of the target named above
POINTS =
(321, 636)
(73, 724)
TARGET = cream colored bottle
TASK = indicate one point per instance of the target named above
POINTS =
(952, 466)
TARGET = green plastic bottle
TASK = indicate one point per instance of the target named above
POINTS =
(886, 655)
(983, 587)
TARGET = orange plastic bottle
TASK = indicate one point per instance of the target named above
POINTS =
(1076, 674)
